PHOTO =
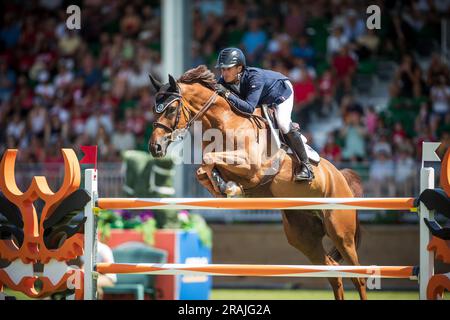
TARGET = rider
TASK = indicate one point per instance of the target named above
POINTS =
(247, 87)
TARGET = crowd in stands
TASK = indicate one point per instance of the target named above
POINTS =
(61, 87)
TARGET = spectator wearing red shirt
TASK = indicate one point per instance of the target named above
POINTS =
(344, 67)
(331, 151)
(304, 87)
(398, 134)
(326, 88)
(304, 95)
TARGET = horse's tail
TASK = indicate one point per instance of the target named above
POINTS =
(355, 184)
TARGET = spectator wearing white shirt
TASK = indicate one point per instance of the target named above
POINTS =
(45, 88)
(381, 174)
(122, 139)
(405, 170)
(440, 95)
(96, 120)
(336, 40)
(104, 255)
(354, 26)
(37, 118)
(16, 127)
(64, 77)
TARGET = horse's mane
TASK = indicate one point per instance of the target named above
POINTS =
(201, 75)
(206, 78)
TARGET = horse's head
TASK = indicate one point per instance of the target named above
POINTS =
(167, 111)
(179, 105)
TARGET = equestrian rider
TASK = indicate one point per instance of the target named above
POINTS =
(247, 87)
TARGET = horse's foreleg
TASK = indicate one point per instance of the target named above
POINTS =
(205, 181)
(220, 172)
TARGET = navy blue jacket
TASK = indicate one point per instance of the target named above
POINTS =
(259, 86)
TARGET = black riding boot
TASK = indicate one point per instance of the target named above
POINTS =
(296, 143)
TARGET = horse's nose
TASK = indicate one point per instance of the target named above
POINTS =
(156, 149)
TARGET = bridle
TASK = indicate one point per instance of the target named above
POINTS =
(179, 133)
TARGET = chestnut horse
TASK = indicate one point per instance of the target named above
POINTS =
(192, 98)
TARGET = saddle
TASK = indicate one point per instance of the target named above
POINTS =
(277, 136)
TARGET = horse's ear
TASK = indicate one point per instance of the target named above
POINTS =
(156, 84)
(173, 84)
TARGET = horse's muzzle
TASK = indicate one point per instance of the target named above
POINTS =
(158, 148)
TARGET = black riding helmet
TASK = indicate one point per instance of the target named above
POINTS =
(230, 57)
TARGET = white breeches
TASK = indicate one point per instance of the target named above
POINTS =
(283, 111)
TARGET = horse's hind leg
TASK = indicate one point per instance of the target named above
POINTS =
(304, 231)
(341, 227)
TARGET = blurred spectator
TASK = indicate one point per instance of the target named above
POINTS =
(408, 80)
(367, 45)
(37, 119)
(7, 81)
(354, 134)
(398, 134)
(10, 31)
(305, 94)
(336, 41)
(131, 22)
(301, 70)
(137, 77)
(327, 89)
(123, 139)
(331, 151)
(294, 23)
(382, 146)
(16, 127)
(91, 74)
(96, 120)
(254, 41)
(405, 170)
(440, 96)
(381, 175)
(354, 27)
(304, 50)
(371, 120)
(436, 69)
(350, 105)
(344, 66)
(69, 43)
(45, 89)
(65, 76)
(55, 130)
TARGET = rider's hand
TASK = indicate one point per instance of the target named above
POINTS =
(222, 91)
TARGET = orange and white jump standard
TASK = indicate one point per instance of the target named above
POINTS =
(425, 272)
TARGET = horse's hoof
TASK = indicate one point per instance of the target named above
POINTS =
(233, 190)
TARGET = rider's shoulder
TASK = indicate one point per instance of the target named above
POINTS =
(253, 73)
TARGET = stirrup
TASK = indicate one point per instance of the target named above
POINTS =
(306, 168)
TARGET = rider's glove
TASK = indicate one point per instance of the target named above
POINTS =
(222, 91)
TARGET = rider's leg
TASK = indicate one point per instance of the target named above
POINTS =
(283, 114)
